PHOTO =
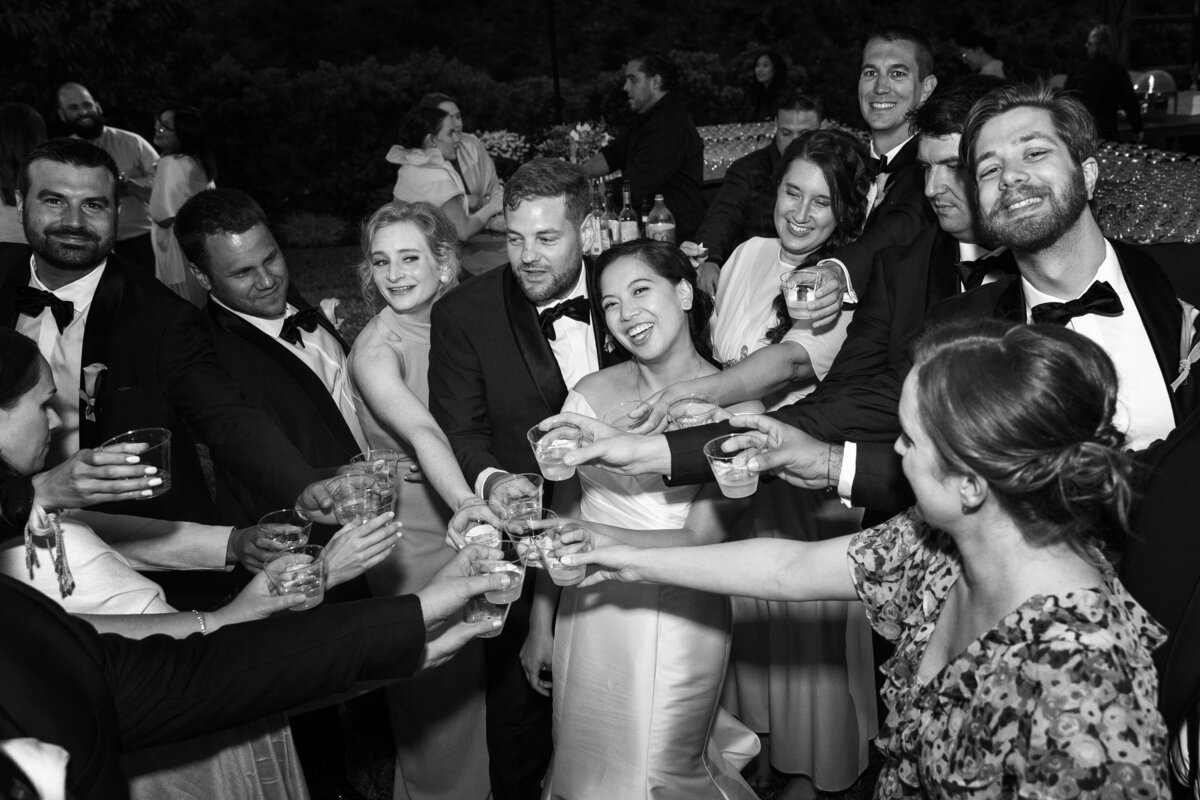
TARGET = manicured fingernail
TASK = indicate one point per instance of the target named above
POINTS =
(146, 493)
(496, 623)
(505, 581)
(154, 482)
(132, 459)
(753, 464)
(151, 470)
(389, 514)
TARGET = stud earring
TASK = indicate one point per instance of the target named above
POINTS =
(444, 279)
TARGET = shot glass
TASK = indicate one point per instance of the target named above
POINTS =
(524, 486)
(691, 411)
(730, 470)
(560, 541)
(299, 569)
(622, 415)
(392, 463)
(550, 447)
(478, 609)
(478, 527)
(509, 563)
(799, 286)
(157, 454)
(517, 519)
(287, 527)
(358, 497)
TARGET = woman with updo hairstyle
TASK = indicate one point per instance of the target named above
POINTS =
(1022, 665)
(429, 173)
(638, 670)
(409, 261)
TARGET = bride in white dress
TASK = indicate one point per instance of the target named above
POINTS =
(638, 669)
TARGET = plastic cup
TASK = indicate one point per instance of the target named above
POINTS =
(517, 519)
(358, 497)
(287, 527)
(691, 411)
(799, 286)
(730, 470)
(551, 446)
(552, 548)
(392, 463)
(621, 416)
(157, 454)
(509, 563)
(299, 569)
(478, 528)
(478, 609)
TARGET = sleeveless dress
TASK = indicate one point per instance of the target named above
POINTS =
(802, 672)
(176, 179)
(255, 761)
(638, 670)
(438, 716)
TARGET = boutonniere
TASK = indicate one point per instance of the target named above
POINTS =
(92, 375)
(1188, 354)
(329, 307)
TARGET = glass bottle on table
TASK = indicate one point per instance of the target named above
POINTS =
(660, 224)
(610, 226)
(628, 218)
(596, 221)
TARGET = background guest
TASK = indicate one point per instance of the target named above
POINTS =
(428, 144)
(769, 82)
(470, 159)
(186, 167)
(977, 53)
(1104, 86)
(409, 260)
(21, 129)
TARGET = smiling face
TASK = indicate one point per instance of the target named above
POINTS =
(247, 272)
(25, 427)
(70, 218)
(81, 113)
(166, 140)
(936, 488)
(404, 269)
(888, 88)
(804, 216)
(544, 248)
(644, 311)
(1030, 190)
(946, 185)
(643, 90)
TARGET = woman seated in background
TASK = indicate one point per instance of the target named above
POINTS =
(186, 167)
(768, 82)
(428, 138)
(470, 160)
(410, 259)
(1022, 665)
(86, 561)
(21, 129)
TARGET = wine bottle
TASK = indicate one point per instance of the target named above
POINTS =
(627, 219)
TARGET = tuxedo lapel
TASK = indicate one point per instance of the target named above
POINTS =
(97, 334)
(1162, 317)
(16, 277)
(312, 385)
(531, 343)
(942, 279)
(1010, 302)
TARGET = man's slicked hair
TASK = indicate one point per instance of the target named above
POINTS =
(547, 178)
(214, 212)
(1072, 121)
(945, 112)
(903, 33)
(656, 62)
(73, 152)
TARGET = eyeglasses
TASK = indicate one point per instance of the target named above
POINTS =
(158, 126)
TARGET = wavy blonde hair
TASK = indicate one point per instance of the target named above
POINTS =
(439, 232)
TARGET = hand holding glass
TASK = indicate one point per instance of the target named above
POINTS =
(800, 286)
(299, 570)
(157, 454)
(551, 446)
(733, 476)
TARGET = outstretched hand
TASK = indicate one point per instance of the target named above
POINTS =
(613, 450)
(355, 549)
(789, 452)
(617, 562)
(446, 594)
(96, 476)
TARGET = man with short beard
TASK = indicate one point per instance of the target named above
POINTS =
(506, 346)
(136, 158)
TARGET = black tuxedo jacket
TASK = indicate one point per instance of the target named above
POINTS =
(99, 695)
(492, 374)
(163, 372)
(895, 220)
(284, 387)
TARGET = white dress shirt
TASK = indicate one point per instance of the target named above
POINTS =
(573, 349)
(64, 352)
(322, 354)
(1143, 402)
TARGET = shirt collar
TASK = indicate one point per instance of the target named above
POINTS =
(580, 290)
(1109, 271)
(969, 251)
(271, 327)
(78, 292)
(890, 154)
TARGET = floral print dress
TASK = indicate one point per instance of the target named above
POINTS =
(1058, 700)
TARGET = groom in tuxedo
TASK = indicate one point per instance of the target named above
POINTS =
(287, 355)
(505, 349)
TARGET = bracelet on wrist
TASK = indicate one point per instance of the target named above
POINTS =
(200, 620)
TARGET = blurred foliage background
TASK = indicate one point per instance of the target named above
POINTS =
(302, 97)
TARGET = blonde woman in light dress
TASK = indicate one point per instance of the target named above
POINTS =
(185, 168)
(409, 261)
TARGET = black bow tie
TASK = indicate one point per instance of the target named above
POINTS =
(972, 273)
(577, 308)
(32, 301)
(1100, 298)
(878, 166)
(307, 319)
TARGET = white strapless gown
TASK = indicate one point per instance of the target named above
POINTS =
(638, 670)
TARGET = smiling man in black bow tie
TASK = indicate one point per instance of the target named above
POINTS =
(506, 347)
(286, 354)
(127, 353)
